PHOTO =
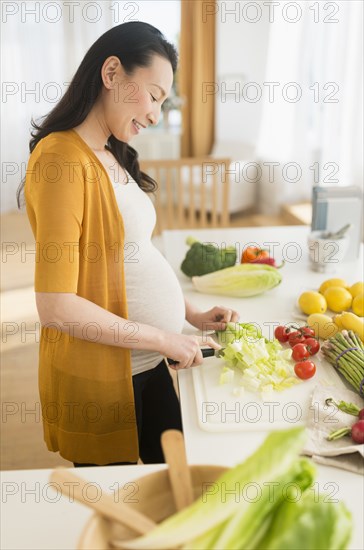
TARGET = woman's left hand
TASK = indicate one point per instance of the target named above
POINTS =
(214, 319)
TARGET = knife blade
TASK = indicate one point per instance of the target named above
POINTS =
(206, 352)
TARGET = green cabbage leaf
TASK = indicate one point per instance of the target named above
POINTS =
(241, 280)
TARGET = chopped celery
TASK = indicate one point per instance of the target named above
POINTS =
(270, 462)
(226, 376)
(238, 391)
(247, 525)
(264, 365)
(235, 331)
(283, 513)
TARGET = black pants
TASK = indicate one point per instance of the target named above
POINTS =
(157, 409)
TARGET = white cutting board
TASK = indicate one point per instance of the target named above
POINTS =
(219, 410)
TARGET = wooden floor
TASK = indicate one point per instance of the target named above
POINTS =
(22, 445)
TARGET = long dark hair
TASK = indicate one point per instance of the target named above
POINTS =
(134, 43)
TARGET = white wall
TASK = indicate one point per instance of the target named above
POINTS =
(241, 58)
(42, 44)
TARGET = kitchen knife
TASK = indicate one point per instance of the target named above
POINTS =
(206, 352)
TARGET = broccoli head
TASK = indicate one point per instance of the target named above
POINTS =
(206, 258)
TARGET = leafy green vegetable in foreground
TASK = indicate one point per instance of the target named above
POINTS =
(205, 258)
(250, 523)
(278, 518)
(240, 281)
(310, 523)
(275, 456)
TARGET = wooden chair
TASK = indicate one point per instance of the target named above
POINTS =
(192, 192)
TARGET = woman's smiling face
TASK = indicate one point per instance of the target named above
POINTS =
(131, 102)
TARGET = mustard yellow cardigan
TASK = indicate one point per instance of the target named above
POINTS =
(86, 389)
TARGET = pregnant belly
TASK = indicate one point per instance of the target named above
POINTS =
(154, 294)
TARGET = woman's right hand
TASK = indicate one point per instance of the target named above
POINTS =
(186, 349)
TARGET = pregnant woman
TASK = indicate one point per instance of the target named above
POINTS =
(110, 306)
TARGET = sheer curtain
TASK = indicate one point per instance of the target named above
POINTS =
(42, 44)
(40, 51)
(311, 128)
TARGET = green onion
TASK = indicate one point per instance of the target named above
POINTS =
(338, 434)
(349, 408)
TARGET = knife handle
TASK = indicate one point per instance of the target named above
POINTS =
(206, 352)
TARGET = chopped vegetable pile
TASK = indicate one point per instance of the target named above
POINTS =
(264, 365)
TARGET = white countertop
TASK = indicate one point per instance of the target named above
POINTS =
(34, 516)
(287, 242)
(231, 447)
(37, 517)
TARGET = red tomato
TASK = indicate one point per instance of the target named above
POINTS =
(307, 332)
(252, 253)
(296, 338)
(313, 345)
(300, 352)
(305, 369)
(282, 333)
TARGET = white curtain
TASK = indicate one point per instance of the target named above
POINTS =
(42, 45)
(311, 127)
(41, 49)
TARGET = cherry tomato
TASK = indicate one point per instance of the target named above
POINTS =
(296, 338)
(307, 332)
(313, 345)
(282, 333)
(300, 352)
(305, 369)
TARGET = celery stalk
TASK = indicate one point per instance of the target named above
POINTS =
(313, 522)
(273, 459)
(248, 525)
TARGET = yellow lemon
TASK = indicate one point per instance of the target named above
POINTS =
(312, 302)
(323, 325)
(338, 298)
(338, 321)
(358, 305)
(357, 288)
(332, 282)
(350, 321)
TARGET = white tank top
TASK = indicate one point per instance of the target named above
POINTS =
(153, 291)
